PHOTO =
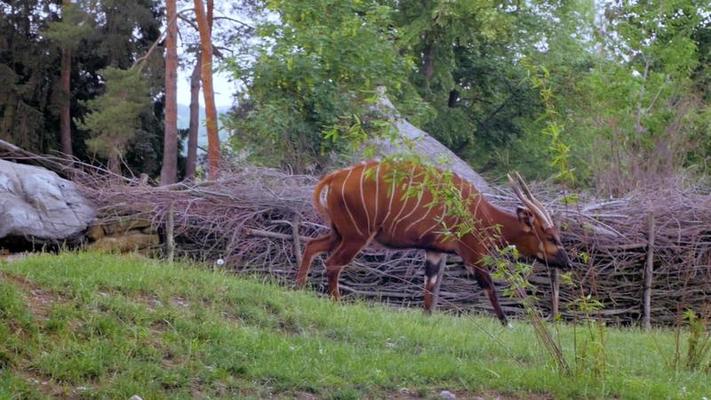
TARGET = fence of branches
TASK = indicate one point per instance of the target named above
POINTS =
(652, 247)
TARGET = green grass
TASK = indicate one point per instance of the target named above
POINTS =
(96, 326)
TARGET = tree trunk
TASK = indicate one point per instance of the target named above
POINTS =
(65, 119)
(191, 163)
(169, 170)
(114, 162)
(428, 61)
(213, 140)
(210, 14)
(7, 120)
(648, 271)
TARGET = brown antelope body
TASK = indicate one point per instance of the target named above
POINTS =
(376, 201)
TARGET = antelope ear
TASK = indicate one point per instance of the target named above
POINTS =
(525, 217)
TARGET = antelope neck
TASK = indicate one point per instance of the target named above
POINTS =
(492, 215)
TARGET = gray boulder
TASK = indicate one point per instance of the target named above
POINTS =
(37, 203)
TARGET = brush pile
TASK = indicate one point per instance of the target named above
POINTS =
(257, 220)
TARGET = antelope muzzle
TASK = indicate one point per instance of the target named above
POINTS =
(561, 260)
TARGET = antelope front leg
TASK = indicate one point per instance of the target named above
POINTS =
(434, 265)
(484, 280)
(472, 260)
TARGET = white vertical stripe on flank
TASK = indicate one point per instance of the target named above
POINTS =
(414, 208)
(323, 196)
(377, 196)
(402, 208)
(362, 197)
(407, 228)
(343, 198)
(428, 230)
(390, 204)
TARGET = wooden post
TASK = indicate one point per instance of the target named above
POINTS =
(169, 235)
(554, 276)
(647, 293)
(440, 274)
(297, 239)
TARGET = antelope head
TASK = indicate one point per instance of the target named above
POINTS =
(540, 237)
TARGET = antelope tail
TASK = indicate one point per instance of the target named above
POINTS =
(318, 190)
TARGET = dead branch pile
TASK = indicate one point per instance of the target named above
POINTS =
(257, 220)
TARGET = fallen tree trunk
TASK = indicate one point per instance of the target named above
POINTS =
(423, 144)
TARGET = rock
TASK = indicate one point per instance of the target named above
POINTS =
(406, 392)
(37, 203)
(124, 243)
(135, 397)
(447, 395)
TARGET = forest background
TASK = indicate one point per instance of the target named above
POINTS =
(601, 95)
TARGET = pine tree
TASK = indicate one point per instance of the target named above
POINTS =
(74, 26)
(28, 69)
(116, 114)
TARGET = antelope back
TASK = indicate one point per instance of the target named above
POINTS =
(391, 199)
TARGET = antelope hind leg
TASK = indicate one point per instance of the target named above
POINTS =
(313, 248)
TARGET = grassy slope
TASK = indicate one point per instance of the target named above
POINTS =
(99, 326)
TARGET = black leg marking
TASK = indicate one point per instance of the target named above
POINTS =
(433, 266)
(484, 280)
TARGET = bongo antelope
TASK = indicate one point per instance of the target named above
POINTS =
(388, 202)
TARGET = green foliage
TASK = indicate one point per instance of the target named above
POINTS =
(590, 347)
(516, 275)
(554, 127)
(698, 342)
(74, 26)
(697, 356)
(103, 34)
(316, 75)
(466, 53)
(129, 28)
(602, 95)
(27, 63)
(115, 115)
(629, 81)
(644, 112)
